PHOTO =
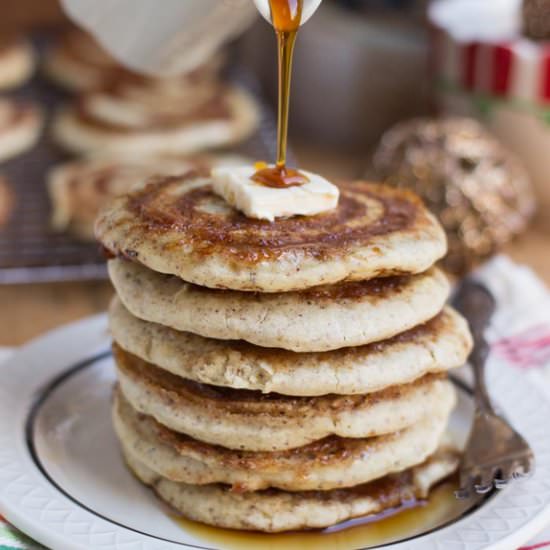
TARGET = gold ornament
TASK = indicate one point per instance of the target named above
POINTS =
(478, 189)
(536, 19)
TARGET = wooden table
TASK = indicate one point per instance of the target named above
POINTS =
(28, 310)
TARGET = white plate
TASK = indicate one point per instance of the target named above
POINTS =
(62, 480)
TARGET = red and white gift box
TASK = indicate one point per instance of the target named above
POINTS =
(486, 68)
(516, 69)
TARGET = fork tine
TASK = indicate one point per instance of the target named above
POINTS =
(501, 483)
(484, 483)
(522, 470)
(466, 482)
(527, 463)
(463, 493)
(506, 474)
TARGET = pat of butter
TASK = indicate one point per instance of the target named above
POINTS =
(255, 200)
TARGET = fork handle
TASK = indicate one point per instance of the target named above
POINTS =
(478, 360)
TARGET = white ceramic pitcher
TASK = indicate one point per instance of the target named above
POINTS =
(168, 37)
(308, 9)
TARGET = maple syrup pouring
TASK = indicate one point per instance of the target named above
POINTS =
(286, 16)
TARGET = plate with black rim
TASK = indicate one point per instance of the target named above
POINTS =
(63, 481)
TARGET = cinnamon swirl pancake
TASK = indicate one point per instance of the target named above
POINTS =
(244, 419)
(330, 463)
(20, 127)
(179, 226)
(273, 510)
(16, 61)
(157, 117)
(80, 189)
(441, 344)
(317, 319)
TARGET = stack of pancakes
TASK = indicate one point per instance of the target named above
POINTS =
(130, 114)
(285, 375)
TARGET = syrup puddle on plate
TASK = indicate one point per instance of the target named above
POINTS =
(367, 532)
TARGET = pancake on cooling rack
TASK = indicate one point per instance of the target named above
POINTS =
(16, 61)
(20, 127)
(133, 114)
(286, 374)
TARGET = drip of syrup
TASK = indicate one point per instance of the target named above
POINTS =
(286, 16)
(278, 176)
(398, 524)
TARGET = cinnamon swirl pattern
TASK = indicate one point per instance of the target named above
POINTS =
(80, 189)
(179, 226)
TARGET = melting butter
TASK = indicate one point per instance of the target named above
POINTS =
(255, 200)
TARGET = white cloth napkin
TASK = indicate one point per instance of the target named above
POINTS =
(520, 329)
(5, 353)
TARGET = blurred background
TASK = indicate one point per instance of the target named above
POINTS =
(450, 98)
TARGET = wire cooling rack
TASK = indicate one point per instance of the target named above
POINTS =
(30, 251)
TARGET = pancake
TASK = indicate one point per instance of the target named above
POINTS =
(20, 127)
(442, 343)
(77, 62)
(7, 201)
(79, 189)
(319, 319)
(16, 62)
(244, 419)
(274, 511)
(330, 463)
(179, 226)
(148, 122)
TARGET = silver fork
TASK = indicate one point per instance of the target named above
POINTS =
(495, 453)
